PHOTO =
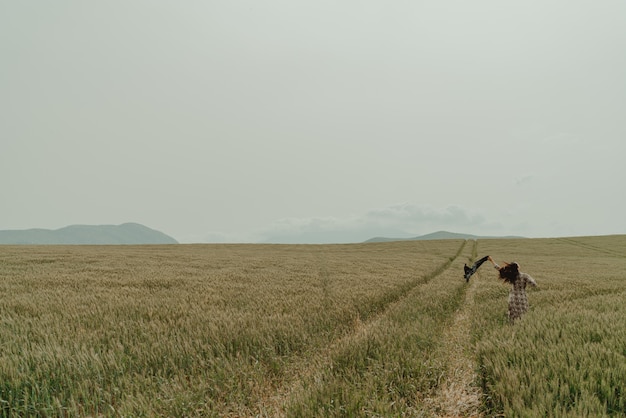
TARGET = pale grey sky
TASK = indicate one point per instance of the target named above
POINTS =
(314, 121)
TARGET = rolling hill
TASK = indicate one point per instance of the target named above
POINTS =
(435, 236)
(124, 234)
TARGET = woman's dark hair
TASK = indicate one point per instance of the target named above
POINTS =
(510, 272)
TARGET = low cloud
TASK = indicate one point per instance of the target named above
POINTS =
(416, 218)
(521, 181)
(218, 237)
(400, 221)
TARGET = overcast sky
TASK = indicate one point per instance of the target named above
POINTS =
(314, 121)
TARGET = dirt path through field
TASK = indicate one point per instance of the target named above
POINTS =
(311, 371)
(458, 395)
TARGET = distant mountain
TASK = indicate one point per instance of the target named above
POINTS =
(436, 235)
(128, 233)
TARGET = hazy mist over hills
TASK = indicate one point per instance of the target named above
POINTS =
(128, 233)
(137, 234)
(437, 235)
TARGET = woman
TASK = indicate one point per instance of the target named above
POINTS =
(518, 302)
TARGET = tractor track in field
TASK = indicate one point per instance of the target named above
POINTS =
(591, 247)
(311, 370)
(458, 394)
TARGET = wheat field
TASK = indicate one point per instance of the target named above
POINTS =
(376, 329)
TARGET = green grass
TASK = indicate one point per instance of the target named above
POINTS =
(307, 330)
